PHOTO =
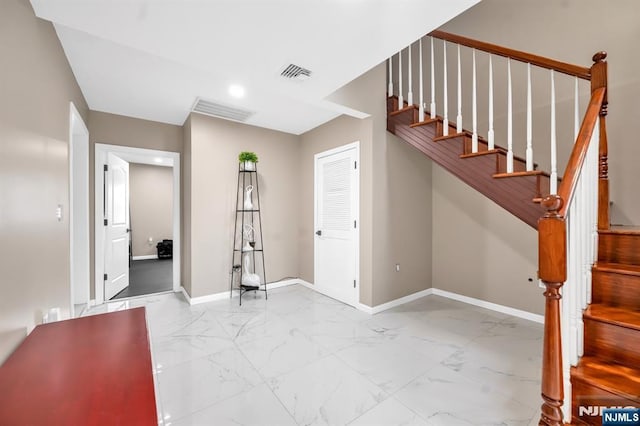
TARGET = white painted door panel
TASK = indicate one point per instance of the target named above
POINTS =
(117, 229)
(336, 215)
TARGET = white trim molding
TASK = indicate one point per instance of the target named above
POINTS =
(225, 294)
(491, 306)
(397, 302)
(145, 257)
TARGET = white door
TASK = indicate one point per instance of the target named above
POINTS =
(336, 215)
(117, 226)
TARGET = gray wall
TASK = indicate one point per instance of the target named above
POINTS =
(151, 206)
(215, 145)
(36, 86)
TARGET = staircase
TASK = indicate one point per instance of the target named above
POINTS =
(609, 372)
(591, 354)
(519, 192)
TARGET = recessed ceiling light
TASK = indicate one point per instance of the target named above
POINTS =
(236, 91)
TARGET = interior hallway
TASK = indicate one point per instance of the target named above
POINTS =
(301, 358)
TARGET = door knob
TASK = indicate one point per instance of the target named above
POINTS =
(318, 233)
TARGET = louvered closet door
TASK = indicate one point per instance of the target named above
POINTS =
(336, 214)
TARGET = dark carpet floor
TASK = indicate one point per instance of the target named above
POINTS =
(148, 276)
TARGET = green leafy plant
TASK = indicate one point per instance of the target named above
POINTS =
(248, 156)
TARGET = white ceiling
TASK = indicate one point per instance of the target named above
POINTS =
(151, 59)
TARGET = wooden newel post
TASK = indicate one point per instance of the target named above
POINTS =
(598, 80)
(552, 262)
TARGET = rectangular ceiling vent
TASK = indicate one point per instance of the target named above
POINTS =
(216, 109)
(296, 72)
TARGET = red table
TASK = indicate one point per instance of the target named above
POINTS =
(94, 370)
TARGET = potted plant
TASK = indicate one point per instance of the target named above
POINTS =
(248, 160)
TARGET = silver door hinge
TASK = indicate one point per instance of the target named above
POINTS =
(106, 222)
(354, 283)
(354, 223)
(106, 168)
(355, 164)
(105, 277)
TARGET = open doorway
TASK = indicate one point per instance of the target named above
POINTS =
(150, 230)
(137, 222)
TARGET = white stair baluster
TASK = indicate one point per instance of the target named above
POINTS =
(490, 132)
(553, 183)
(421, 107)
(509, 119)
(445, 103)
(576, 111)
(459, 116)
(474, 136)
(390, 87)
(400, 97)
(410, 94)
(432, 106)
(529, 122)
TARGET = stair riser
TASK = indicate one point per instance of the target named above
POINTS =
(587, 396)
(609, 341)
(610, 288)
(619, 248)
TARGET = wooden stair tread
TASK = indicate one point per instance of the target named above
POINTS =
(405, 109)
(426, 122)
(613, 315)
(450, 136)
(518, 174)
(621, 230)
(614, 378)
(618, 268)
(480, 153)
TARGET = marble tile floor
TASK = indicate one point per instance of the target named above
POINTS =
(300, 358)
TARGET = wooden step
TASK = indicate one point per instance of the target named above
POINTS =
(619, 246)
(612, 333)
(616, 284)
(596, 383)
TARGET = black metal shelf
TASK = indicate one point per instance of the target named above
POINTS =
(250, 258)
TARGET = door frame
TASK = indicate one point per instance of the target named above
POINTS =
(79, 212)
(133, 155)
(354, 145)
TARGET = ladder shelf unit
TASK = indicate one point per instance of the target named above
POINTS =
(247, 255)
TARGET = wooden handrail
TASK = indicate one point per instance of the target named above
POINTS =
(541, 61)
(579, 152)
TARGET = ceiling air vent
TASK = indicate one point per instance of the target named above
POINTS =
(222, 111)
(296, 72)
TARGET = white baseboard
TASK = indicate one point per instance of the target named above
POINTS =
(283, 283)
(491, 306)
(396, 302)
(145, 257)
(225, 294)
(385, 306)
